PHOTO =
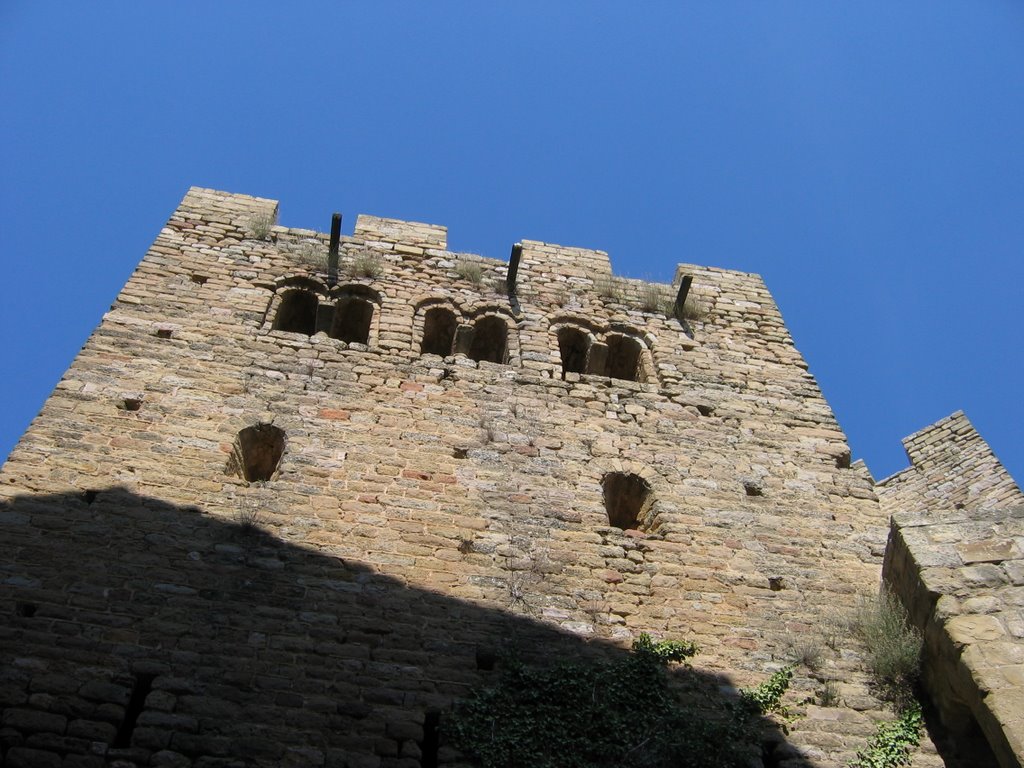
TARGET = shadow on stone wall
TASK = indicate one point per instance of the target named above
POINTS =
(138, 631)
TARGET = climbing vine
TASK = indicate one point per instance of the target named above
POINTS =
(618, 713)
(767, 697)
(893, 741)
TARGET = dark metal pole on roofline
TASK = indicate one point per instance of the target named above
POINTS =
(513, 267)
(332, 253)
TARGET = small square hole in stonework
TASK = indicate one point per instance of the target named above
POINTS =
(199, 279)
(25, 610)
(486, 658)
(164, 333)
(753, 489)
(705, 410)
(843, 460)
(89, 496)
(132, 403)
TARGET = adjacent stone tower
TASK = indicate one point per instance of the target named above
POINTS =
(294, 497)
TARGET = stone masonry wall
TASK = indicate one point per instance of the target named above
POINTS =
(956, 559)
(427, 510)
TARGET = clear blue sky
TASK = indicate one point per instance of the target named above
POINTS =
(866, 158)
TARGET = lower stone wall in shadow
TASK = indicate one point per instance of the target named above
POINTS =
(138, 633)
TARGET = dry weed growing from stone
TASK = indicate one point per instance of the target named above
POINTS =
(469, 271)
(366, 265)
(893, 646)
(807, 651)
(654, 299)
(310, 253)
(608, 287)
(694, 308)
(248, 517)
(258, 227)
(829, 694)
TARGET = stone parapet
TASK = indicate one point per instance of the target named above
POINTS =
(956, 559)
(961, 576)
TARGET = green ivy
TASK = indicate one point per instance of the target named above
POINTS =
(893, 741)
(767, 697)
(664, 651)
(621, 713)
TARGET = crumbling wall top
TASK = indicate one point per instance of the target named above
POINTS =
(951, 467)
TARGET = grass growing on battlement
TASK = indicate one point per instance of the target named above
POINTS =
(259, 226)
(469, 271)
(366, 265)
(608, 287)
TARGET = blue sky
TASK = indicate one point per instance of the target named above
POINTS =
(866, 158)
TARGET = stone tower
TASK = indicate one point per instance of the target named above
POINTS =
(291, 500)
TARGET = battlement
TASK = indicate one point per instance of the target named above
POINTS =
(951, 468)
(341, 472)
(398, 232)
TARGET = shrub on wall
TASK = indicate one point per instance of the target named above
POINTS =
(616, 713)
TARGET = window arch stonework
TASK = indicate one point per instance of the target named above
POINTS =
(354, 315)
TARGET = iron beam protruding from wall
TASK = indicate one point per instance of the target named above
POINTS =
(513, 267)
(684, 290)
(332, 253)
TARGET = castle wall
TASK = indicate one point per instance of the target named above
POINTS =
(956, 559)
(424, 503)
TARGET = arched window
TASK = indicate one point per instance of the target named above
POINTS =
(627, 499)
(257, 452)
(439, 326)
(573, 345)
(297, 312)
(623, 361)
(352, 318)
(490, 340)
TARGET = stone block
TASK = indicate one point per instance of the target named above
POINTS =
(31, 721)
(22, 757)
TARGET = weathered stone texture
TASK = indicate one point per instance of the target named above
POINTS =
(428, 510)
(956, 558)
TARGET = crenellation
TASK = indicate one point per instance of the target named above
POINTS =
(333, 486)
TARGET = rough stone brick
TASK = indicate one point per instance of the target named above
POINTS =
(21, 757)
(31, 721)
(308, 601)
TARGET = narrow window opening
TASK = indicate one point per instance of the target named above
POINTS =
(25, 610)
(132, 403)
(140, 690)
(573, 345)
(438, 332)
(199, 279)
(297, 313)
(164, 333)
(431, 740)
(89, 496)
(352, 317)
(627, 499)
(490, 339)
(257, 453)
(623, 358)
